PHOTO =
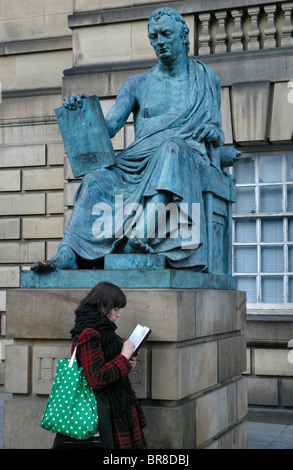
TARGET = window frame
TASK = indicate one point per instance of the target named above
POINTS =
(259, 306)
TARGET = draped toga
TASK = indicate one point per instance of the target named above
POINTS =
(165, 157)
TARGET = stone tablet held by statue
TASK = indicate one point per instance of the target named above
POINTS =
(85, 136)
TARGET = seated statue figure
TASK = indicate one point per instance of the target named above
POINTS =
(177, 121)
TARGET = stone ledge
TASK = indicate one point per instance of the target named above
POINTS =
(127, 278)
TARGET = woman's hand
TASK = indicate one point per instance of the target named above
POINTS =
(127, 349)
(132, 360)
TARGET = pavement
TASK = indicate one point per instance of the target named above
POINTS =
(260, 435)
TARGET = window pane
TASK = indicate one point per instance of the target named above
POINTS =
(272, 289)
(247, 284)
(245, 259)
(289, 168)
(272, 230)
(290, 198)
(290, 229)
(290, 259)
(290, 289)
(244, 170)
(272, 259)
(271, 199)
(245, 201)
(245, 230)
(270, 169)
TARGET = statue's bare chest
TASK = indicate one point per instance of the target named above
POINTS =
(162, 96)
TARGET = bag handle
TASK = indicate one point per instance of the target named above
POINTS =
(73, 357)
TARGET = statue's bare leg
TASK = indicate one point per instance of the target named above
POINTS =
(64, 259)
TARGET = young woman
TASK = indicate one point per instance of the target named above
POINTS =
(106, 361)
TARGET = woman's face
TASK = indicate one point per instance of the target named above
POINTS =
(114, 314)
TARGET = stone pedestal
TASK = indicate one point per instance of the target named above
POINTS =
(189, 377)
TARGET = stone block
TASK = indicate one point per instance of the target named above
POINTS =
(91, 5)
(27, 318)
(69, 192)
(22, 155)
(45, 360)
(215, 312)
(7, 72)
(287, 392)
(2, 307)
(214, 413)
(21, 204)
(55, 154)
(241, 393)
(9, 229)
(139, 376)
(52, 247)
(262, 391)
(17, 369)
(42, 227)
(101, 44)
(55, 203)
(251, 111)
(241, 310)
(40, 314)
(58, 25)
(50, 67)
(21, 135)
(231, 357)
(271, 362)
(234, 439)
(26, 252)
(170, 427)
(226, 115)
(177, 373)
(10, 180)
(19, 29)
(27, 107)
(3, 344)
(281, 129)
(47, 178)
(27, 434)
(9, 276)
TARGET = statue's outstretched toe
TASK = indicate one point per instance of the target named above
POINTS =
(64, 259)
(43, 266)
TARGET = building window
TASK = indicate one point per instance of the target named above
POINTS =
(263, 227)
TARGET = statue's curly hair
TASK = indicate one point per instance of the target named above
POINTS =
(183, 28)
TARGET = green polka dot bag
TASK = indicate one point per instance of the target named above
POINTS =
(71, 407)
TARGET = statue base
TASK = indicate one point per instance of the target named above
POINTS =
(189, 375)
(129, 271)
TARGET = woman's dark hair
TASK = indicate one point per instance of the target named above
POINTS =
(104, 297)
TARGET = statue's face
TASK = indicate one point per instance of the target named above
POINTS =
(165, 38)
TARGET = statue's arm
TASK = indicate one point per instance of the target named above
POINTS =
(124, 105)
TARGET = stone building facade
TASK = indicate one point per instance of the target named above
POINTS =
(50, 49)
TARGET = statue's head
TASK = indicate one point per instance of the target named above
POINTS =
(180, 22)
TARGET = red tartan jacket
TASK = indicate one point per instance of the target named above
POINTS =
(99, 374)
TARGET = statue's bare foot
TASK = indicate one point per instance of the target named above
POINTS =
(137, 245)
(64, 259)
(43, 266)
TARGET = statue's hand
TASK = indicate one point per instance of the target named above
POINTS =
(207, 133)
(73, 102)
